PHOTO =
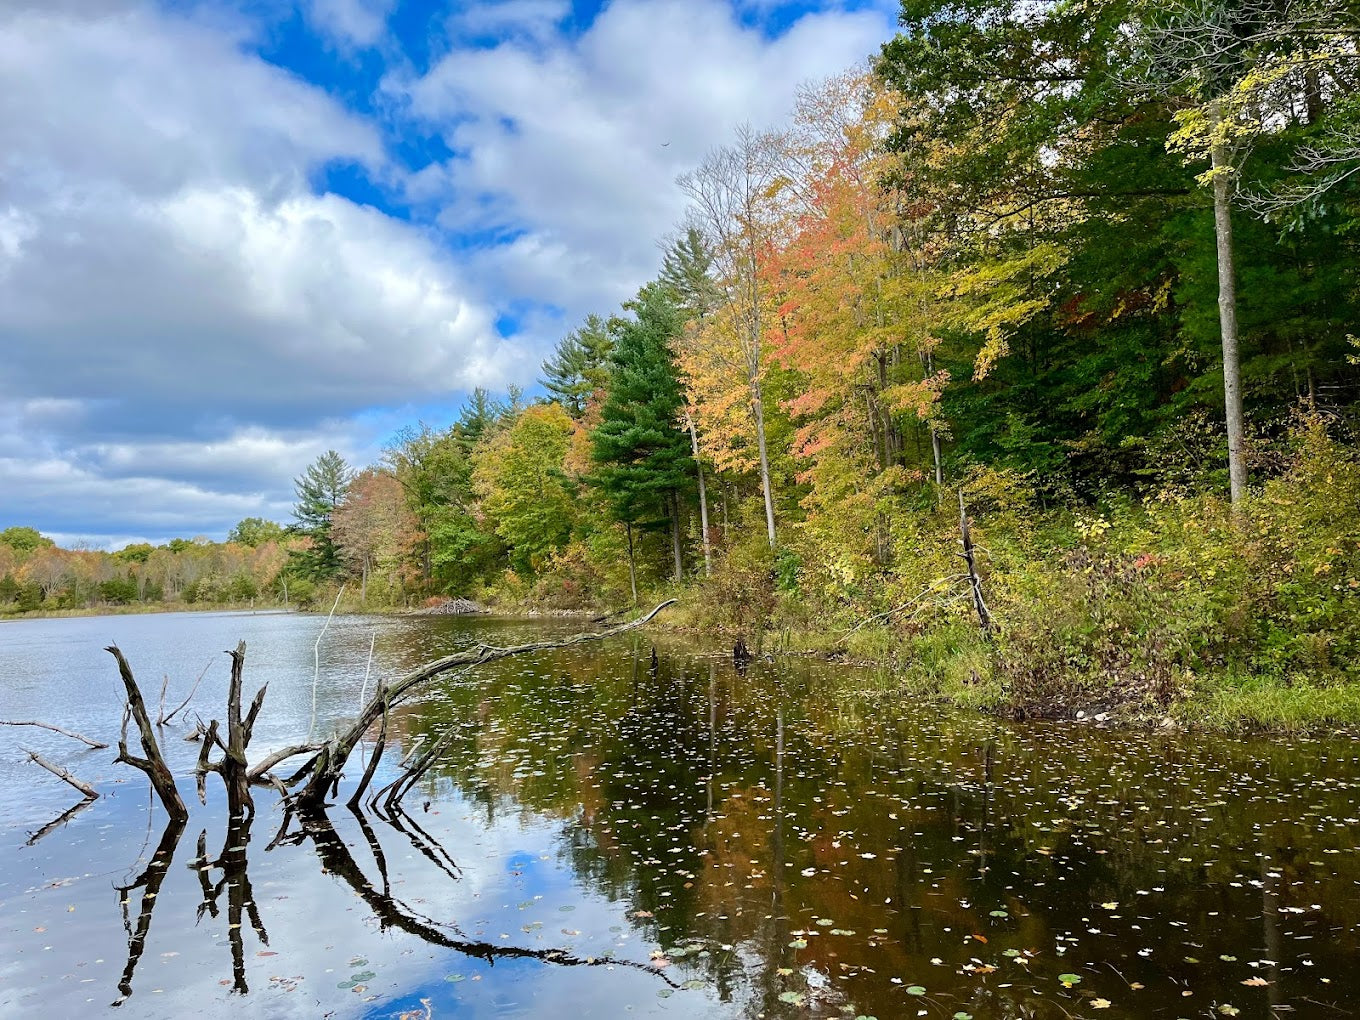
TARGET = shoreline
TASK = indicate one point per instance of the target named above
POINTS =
(1239, 705)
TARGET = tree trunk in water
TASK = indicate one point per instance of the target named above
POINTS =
(703, 496)
(1227, 315)
(632, 569)
(235, 768)
(153, 765)
(675, 537)
(758, 409)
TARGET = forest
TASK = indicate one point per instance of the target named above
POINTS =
(1086, 269)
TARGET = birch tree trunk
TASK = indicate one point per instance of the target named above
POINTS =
(758, 410)
(1227, 311)
(703, 495)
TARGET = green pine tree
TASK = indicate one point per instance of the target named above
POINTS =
(579, 365)
(320, 489)
(644, 461)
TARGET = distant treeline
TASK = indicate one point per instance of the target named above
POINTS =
(37, 575)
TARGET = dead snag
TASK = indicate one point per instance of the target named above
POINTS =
(162, 780)
(57, 729)
(966, 540)
(322, 773)
(234, 767)
(204, 765)
(166, 718)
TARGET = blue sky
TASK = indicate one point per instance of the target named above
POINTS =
(235, 234)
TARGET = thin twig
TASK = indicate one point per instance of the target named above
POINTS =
(186, 701)
(316, 660)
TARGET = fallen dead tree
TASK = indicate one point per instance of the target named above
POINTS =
(305, 802)
(320, 776)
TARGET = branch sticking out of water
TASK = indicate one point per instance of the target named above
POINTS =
(322, 773)
(153, 764)
(57, 729)
(89, 791)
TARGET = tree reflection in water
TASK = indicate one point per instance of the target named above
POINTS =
(335, 859)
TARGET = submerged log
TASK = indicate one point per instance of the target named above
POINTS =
(89, 791)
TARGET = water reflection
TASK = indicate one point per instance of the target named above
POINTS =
(955, 864)
(149, 884)
(761, 841)
(235, 880)
(58, 822)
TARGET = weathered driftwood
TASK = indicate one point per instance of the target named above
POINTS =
(153, 764)
(56, 729)
(85, 788)
(378, 747)
(322, 773)
(204, 765)
(260, 774)
(234, 767)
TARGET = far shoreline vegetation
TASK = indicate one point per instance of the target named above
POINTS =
(1111, 312)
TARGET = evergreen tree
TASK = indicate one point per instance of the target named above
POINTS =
(644, 459)
(320, 489)
(579, 366)
(687, 269)
(477, 417)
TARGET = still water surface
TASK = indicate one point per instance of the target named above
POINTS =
(609, 837)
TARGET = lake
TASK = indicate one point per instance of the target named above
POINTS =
(609, 834)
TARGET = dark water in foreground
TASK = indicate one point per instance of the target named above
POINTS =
(605, 839)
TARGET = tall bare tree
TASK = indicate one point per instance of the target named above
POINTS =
(732, 205)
